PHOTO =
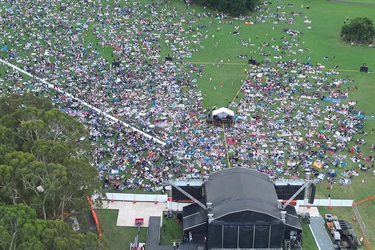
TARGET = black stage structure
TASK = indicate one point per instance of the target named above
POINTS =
(242, 212)
(194, 188)
(286, 189)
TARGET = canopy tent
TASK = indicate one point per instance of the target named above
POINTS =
(222, 112)
(222, 116)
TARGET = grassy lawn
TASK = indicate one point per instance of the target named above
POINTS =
(308, 241)
(118, 237)
(171, 231)
(366, 211)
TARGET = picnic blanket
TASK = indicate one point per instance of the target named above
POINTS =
(334, 100)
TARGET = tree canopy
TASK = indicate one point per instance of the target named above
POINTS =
(231, 7)
(42, 163)
(44, 175)
(358, 30)
(21, 229)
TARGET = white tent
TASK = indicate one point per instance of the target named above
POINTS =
(222, 112)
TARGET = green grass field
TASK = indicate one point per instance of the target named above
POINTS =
(170, 232)
(308, 241)
(322, 40)
(118, 237)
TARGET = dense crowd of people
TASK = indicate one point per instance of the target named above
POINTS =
(293, 117)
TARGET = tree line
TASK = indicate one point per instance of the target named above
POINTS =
(230, 7)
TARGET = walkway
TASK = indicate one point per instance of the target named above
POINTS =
(320, 234)
(153, 235)
(52, 86)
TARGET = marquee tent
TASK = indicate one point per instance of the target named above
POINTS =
(222, 112)
(222, 116)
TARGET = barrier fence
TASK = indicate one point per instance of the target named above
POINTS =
(362, 225)
(135, 197)
(327, 203)
(95, 217)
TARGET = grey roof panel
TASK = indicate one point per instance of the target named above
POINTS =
(239, 189)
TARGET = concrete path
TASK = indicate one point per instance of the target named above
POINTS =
(153, 233)
(313, 211)
(52, 86)
(320, 234)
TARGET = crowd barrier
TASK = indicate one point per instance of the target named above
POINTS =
(135, 197)
(327, 203)
(95, 217)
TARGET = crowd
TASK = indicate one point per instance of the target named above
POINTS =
(276, 123)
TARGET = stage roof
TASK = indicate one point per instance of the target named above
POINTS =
(238, 189)
(193, 216)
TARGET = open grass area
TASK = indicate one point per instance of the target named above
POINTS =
(308, 241)
(322, 40)
(118, 237)
(366, 211)
(170, 232)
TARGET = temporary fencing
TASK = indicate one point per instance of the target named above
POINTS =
(362, 225)
(95, 217)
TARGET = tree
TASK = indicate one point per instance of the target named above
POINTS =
(358, 30)
(44, 176)
(82, 181)
(7, 137)
(42, 159)
(50, 188)
(59, 235)
(231, 7)
(12, 190)
(19, 227)
(8, 104)
(32, 124)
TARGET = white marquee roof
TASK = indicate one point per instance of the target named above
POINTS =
(222, 112)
